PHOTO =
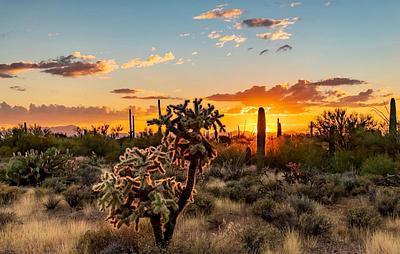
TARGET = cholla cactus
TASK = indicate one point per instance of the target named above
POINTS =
(138, 186)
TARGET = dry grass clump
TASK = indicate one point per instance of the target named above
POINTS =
(37, 231)
(382, 243)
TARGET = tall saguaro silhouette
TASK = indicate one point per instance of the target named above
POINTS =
(131, 125)
(159, 115)
(261, 128)
(393, 118)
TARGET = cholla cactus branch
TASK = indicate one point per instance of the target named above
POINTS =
(138, 186)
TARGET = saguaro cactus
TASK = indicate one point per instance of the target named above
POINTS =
(159, 115)
(131, 125)
(247, 156)
(278, 129)
(393, 119)
(311, 129)
(261, 128)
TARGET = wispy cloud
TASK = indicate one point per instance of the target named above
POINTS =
(52, 34)
(18, 88)
(276, 35)
(184, 35)
(220, 13)
(238, 39)
(338, 82)
(161, 97)
(270, 23)
(295, 4)
(124, 91)
(150, 61)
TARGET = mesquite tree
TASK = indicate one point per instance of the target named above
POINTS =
(138, 187)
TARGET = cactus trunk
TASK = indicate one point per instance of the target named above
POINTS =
(279, 129)
(159, 115)
(261, 129)
(247, 157)
(393, 119)
(311, 129)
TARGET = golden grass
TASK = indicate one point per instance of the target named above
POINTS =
(382, 243)
(292, 243)
(228, 206)
(50, 236)
(37, 231)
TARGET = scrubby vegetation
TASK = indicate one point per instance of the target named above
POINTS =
(334, 190)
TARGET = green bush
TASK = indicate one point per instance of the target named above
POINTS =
(363, 217)
(380, 164)
(9, 194)
(203, 204)
(302, 204)
(58, 184)
(33, 167)
(345, 161)
(264, 209)
(314, 224)
(284, 217)
(256, 237)
(388, 203)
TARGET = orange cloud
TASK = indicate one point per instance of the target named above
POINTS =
(220, 13)
(296, 98)
(276, 35)
(73, 65)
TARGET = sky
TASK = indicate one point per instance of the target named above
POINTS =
(87, 62)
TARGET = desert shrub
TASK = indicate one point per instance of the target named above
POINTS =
(100, 145)
(76, 196)
(363, 217)
(9, 194)
(51, 203)
(380, 164)
(345, 161)
(231, 155)
(6, 218)
(356, 185)
(284, 217)
(58, 184)
(264, 208)
(87, 174)
(388, 203)
(314, 224)
(203, 204)
(216, 221)
(302, 204)
(256, 237)
(33, 167)
(323, 189)
(107, 241)
(235, 191)
(274, 190)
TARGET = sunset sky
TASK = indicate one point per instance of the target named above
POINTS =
(86, 62)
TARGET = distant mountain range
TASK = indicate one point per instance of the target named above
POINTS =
(68, 130)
